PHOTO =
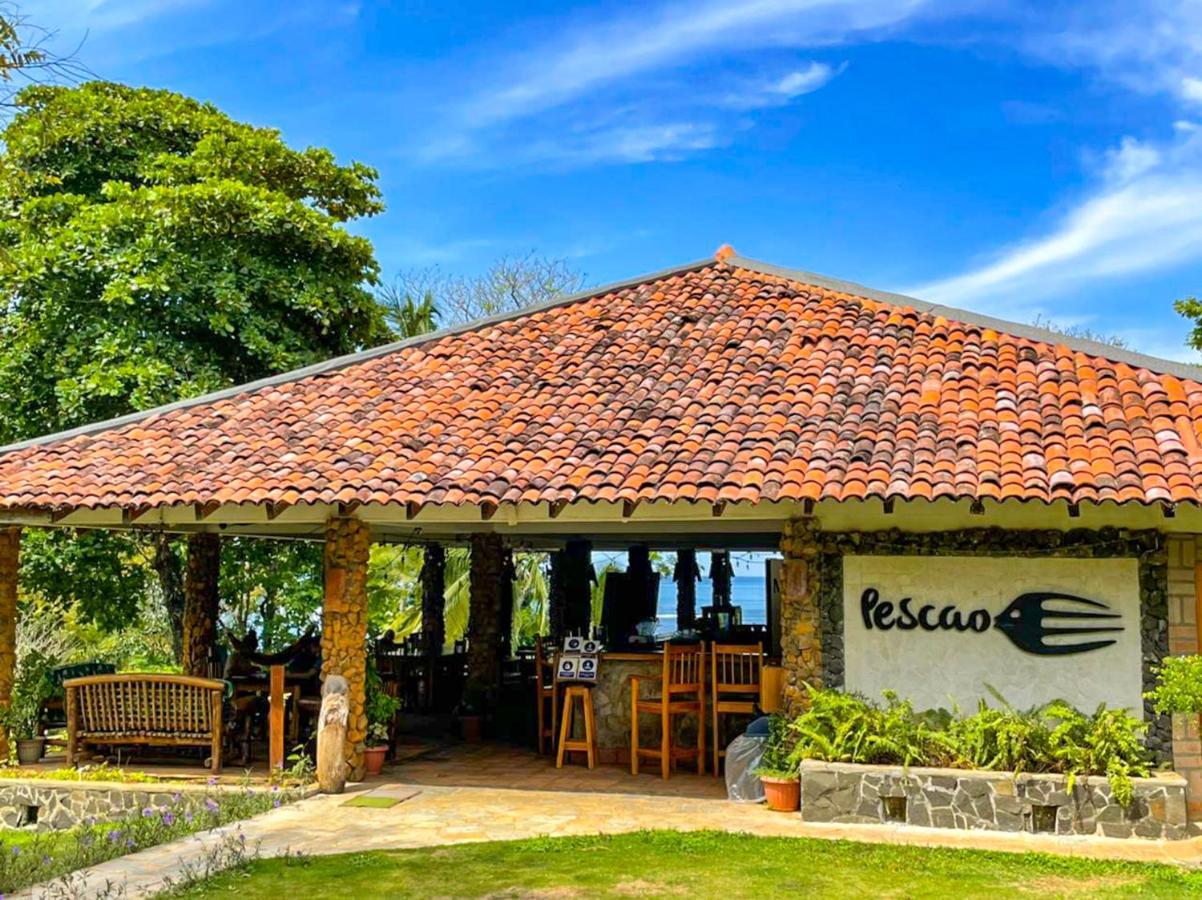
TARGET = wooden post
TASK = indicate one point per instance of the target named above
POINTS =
(275, 754)
(433, 581)
(10, 551)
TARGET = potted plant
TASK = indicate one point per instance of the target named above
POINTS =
(777, 770)
(381, 708)
(377, 748)
(21, 719)
(470, 713)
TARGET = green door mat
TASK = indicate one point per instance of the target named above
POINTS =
(369, 802)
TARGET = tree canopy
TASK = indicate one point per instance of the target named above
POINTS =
(156, 249)
(152, 248)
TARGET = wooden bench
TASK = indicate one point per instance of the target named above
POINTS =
(157, 710)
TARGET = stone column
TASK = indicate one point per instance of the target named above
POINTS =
(344, 626)
(800, 627)
(201, 604)
(720, 575)
(1185, 637)
(686, 575)
(10, 551)
(579, 579)
(484, 613)
(433, 579)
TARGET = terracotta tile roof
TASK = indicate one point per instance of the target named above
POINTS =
(723, 381)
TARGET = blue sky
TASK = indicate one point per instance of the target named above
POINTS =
(1020, 159)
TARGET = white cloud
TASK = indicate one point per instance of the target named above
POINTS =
(578, 62)
(1145, 215)
(1191, 89)
(653, 142)
(781, 89)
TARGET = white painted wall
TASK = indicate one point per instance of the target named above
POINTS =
(936, 669)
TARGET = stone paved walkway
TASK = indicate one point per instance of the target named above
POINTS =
(446, 813)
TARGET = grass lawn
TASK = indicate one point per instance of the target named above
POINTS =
(700, 864)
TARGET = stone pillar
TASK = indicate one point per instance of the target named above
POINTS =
(201, 604)
(1185, 637)
(484, 613)
(579, 579)
(800, 627)
(686, 575)
(344, 626)
(433, 579)
(10, 551)
(720, 575)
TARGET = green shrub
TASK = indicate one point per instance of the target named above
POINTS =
(840, 727)
(1178, 686)
(778, 761)
(1003, 738)
(1056, 738)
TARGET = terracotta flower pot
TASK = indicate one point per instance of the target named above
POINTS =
(473, 728)
(782, 794)
(373, 759)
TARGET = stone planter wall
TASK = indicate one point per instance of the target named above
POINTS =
(992, 801)
(65, 804)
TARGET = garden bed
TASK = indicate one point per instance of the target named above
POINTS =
(993, 801)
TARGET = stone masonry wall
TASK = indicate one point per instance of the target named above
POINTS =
(1185, 598)
(993, 801)
(486, 577)
(800, 625)
(10, 546)
(1149, 547)
(344, 626)
(433, 578)
(201, 602)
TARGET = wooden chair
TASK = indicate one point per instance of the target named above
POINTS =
(682, 691)
(546, 689)
(736, 672)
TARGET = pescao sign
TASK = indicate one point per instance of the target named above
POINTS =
(943, 630)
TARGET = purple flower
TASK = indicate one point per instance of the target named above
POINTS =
(114, 835)
(188, 817)
(16, 851)
(212, 780)
(168, 818)
(175, 798)
(129, 842)
(275, 804)
(147, 813)
(211, 805)
(45, 860)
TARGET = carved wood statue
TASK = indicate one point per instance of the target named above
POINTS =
(331, 735)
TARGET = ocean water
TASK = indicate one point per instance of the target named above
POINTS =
(747, 591)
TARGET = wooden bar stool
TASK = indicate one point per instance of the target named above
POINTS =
(566, 742)
(546, 691)
(736, 671)
(682, 691)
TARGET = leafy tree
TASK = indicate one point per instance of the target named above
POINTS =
(155, 249)
(1191, 308)
(152, 248)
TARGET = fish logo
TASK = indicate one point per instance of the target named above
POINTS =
(1029, 620)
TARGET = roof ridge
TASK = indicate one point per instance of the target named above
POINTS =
(350, 359)
(1155, 364)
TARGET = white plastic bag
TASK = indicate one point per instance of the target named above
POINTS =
(743, 754)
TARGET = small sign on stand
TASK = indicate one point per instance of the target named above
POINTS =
(579, 661)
